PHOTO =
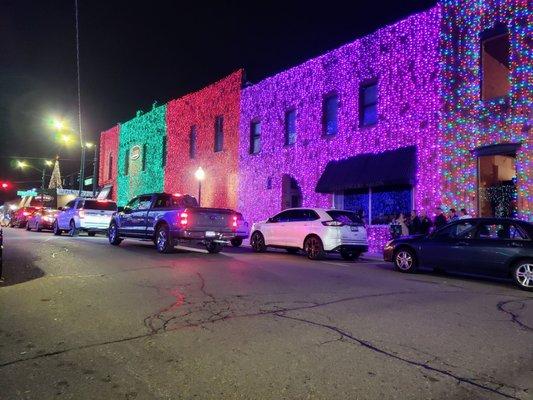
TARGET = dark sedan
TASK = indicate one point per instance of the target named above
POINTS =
(491, 246)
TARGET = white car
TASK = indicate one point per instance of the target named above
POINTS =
(82, 214)
(314, 230)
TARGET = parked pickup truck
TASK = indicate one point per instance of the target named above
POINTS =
(169, 219)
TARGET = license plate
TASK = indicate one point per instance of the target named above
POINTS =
(354, 228)
(210, 234)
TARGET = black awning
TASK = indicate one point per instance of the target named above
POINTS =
(395, 167)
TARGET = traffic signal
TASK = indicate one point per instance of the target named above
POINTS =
(5, 185)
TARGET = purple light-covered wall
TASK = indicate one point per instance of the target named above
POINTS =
(404, 57)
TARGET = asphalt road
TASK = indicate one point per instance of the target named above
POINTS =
(80, 319)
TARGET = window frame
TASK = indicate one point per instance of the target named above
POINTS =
(164, 151)
(287, 133)
(192, 142)
(497, 31)
(254, 136)
(325, 99)
(363, 106)
(110, 166)
(219, 134)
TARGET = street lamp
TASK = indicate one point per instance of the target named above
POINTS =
(200, 176)
(47, 163)
(90, 145)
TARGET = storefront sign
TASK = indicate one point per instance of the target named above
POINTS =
(26, 193)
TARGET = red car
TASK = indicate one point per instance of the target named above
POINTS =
(42, 219)
(21, 216)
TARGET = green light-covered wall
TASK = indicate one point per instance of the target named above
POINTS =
(145, 130)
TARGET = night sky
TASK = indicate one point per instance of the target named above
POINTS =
(134, 53)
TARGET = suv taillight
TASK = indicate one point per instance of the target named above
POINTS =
(332, 223)
(234, 221)
(81, 213)
(184, 219)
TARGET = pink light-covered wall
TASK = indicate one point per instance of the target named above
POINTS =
(404, 57)
(200, 109)
(107, 171)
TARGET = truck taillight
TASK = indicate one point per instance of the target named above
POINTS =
(234, 223)
(26, 213)
(81, 213)
(184, 217)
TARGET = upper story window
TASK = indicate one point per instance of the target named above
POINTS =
(219, 133)
(192, 142)
(144, 158)
(255, 137)
(290, 127)
(330, 111)
(127, 162)
(164, 150)
(110, 166)
(495, 63)
(368, 104)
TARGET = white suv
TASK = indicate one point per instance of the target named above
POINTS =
(314, 230)
(82, 214)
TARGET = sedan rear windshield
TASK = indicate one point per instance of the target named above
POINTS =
(346, 217)
(100, 205)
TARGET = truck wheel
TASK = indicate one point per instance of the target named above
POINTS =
(28, 226)
(236, 242)
(72, 231)
(39, 227)
(112, 236)
(162, 239)
(213, 247)
(56, 229)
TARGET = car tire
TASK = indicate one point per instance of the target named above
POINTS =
(91, 234)
(236, 242)
(56, 229)
(162, 239)
(258, 242)
(314, 248)
(28, 228)
(39, 228)
(350, 255)
(213, 247)
(523, 274)
(405, 260)
(112, 235)
(72, 231)
(292, 250)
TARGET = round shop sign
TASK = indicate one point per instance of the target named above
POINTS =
(135, 152)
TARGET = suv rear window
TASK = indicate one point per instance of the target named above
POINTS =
(100, 205)
(346, 217)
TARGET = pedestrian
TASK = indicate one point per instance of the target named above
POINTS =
(440, 218)
(464, 214)
(414, 223)
(425, 223)
(453, 215)
(395, 228)
(402, 221)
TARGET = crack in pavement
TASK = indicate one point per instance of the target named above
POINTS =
(386, 353)
(503, 306)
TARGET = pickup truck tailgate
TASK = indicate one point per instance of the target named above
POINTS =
(217, 219)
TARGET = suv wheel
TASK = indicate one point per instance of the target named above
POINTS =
(213, 247)
(314, 248)
(39, 228)
(72, 231)
(28, 228)
(56, 229)
(162, 239)
(523, 274)
(258, 242)
(112, 235)
(405, 260)
(236, 242)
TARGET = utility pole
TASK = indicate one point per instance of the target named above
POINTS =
(95, 162)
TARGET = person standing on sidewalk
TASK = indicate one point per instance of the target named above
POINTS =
(453, 215)
(414, 224)
(440, 218)
(425, 223)
(464, 214)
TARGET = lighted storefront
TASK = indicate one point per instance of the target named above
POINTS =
(107, 173)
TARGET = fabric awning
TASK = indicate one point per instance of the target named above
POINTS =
(395, 167)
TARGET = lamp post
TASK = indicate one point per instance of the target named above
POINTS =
(47, 163)
(95, 162)
(200, 176)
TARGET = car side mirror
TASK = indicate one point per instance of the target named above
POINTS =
(120, 209)
(126, 210)
(60, 208)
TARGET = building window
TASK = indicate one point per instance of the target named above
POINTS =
(290, 127)
(164, 150)
(269, 182)
(379, 205)
(495, 63)
(127, 162)
(192, 142)
(368, 100)
(143, 168)
(219, 133)
(330, 113)
(110, 166)
(255, 137)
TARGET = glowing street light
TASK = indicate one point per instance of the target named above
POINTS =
(200, 176)
(21, 164)
(48, 163)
